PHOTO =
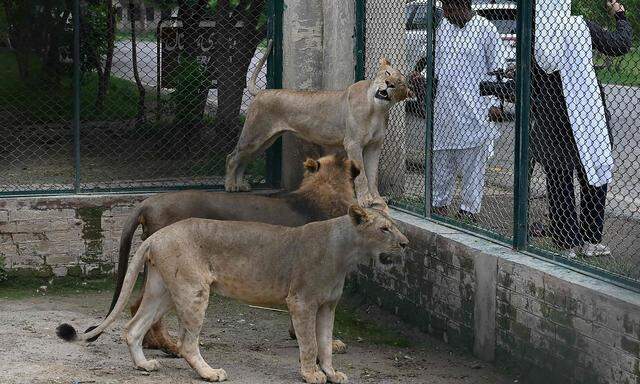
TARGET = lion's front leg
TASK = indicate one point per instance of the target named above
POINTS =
(371, 164)
(303, 316)
(324, 334)
(354, 152)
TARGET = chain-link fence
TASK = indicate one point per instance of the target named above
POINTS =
(146, 94)
(555, 172)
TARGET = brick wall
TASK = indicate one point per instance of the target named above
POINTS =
(552, 324)
(63, 235)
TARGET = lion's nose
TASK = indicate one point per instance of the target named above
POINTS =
(389, 85)
(404, 244)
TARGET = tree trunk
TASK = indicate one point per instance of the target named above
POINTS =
(142, 115)
(104, 75)
(239, 37)
(191, 90)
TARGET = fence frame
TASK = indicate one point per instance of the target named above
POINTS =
(519, 240)
(274, 9)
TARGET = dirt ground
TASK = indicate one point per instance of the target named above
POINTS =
(252, 345)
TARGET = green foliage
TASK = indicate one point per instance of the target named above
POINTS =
(94, 40)
(3, 271)
(597, 11)
(192, 80)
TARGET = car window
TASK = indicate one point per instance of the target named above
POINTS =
(419, 20)
(503, 19)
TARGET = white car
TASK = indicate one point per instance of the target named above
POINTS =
(503, 16)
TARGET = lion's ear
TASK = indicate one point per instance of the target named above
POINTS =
(383, 61)
(355, 170)
(358, 214)
(311, 165)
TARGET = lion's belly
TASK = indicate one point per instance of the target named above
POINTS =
(252, 290)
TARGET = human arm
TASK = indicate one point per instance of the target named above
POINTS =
(612, 43)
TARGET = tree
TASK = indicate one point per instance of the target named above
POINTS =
(141, 117)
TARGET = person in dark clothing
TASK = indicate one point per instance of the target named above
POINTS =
(553, 145)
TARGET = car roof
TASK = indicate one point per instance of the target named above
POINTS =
(476, 7)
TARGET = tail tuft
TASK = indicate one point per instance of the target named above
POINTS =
(94, 338)
(66, 332)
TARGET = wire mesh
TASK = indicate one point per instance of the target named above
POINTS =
(162, 93)
(583, 140)
(582, 196)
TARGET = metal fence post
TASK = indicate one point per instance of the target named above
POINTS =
(274, 80)
(523, 106)
(429, 67)
(359, 36)
(76, 94)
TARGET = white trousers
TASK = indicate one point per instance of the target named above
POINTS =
(470, 164)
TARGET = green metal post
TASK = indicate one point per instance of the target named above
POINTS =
(274, 80)
(360, 36)
(428, 128)
(523, 110)
(76, 94)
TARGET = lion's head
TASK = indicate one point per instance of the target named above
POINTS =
(390, 84)
(379, 236)
(328, 183)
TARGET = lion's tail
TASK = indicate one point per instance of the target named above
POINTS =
(68, 333)
(251, 86)
(126, 238)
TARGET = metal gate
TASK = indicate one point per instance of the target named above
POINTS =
(119, 96)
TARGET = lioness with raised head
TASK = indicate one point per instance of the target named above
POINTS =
(354, 119)
(326, 192)
(302, 267)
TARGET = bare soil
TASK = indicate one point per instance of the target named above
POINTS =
(252, 345)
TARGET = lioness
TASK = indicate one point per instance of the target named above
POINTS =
(354, 119)
(325, 192)
(302, 267)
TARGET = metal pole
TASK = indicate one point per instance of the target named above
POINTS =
(360, 36)
(429, 91)
(76, 93)
(274, 81)
(523, 111)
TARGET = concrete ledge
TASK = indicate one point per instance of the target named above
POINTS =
(553, 324)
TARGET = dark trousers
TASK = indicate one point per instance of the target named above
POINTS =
(566, 230)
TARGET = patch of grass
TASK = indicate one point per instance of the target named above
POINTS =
(624, 70)
(39, 101)
(23, 285)
(350, 327)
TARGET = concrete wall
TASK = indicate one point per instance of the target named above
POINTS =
(63, 235)
(552, 324)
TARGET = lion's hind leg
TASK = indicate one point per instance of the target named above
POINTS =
(190, 308)
(156, 301)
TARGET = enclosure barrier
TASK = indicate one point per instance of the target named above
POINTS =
(526, 138)
(129, 95)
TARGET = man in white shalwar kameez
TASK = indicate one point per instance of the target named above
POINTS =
(467, 48)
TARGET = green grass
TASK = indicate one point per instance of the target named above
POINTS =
(21, 286)
(624, 71)
(349, 326)
(39, 101)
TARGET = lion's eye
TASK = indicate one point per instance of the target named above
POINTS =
(387, 73)
(385, 229)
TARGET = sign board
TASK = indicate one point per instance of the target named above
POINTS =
(171, 48)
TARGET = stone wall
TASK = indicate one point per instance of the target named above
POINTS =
(63, 235)
(552, 324)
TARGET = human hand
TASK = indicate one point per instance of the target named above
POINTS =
(613, 7)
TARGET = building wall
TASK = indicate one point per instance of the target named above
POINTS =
(550, 323)
(64, 235)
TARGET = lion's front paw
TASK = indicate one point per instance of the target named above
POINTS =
(149, 365)
(338, 346)
(214, 375)
(338, 378)
(314, 377)
(237, 187)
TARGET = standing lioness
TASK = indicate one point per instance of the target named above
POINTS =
(302, 267)
(354, 119)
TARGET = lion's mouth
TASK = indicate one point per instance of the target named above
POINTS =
(382, 94)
